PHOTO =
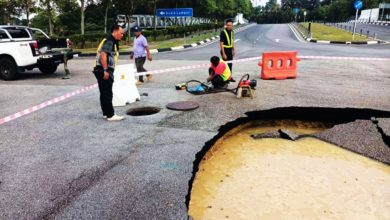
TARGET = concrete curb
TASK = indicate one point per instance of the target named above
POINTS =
(334, 42)
(342, 42)
(183, 47)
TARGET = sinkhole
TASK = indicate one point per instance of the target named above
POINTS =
(143, 111)
(279, 169)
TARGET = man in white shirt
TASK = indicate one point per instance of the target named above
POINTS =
(140, 53)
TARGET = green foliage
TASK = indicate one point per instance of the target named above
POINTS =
(326, 10)
(63, 17)
(171, 32)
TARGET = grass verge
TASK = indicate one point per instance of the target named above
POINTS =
(323, 32)
(161, 44)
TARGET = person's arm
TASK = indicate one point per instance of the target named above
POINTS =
(106, 48)
(103, 61)
(146, 46)
(222, 37)
(234, 46)
(148, 54)
(223, 51)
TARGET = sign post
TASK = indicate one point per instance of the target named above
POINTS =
(295, 11)
(357, 5)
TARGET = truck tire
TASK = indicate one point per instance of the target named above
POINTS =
(8, 68)
(48, 68)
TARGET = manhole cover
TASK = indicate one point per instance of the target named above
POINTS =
(183, 106)
(142, 111)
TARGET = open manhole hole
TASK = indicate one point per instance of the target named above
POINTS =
(143, 111)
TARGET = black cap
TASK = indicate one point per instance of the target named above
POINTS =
(137, 29)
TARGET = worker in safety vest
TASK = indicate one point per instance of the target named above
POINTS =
(219, 73)
(106, 59)
(228, 50)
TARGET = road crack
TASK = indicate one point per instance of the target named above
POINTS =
(86, 180)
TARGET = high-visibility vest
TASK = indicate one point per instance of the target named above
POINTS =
(116, 53)
(227, 73)
(230, 40)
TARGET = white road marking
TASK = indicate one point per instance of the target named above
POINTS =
(236, 40)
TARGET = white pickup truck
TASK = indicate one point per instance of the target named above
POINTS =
(24, 48)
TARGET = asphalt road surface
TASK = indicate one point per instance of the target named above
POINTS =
(66, 162)
(262, 38)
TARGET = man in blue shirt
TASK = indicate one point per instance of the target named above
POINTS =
(140, 53)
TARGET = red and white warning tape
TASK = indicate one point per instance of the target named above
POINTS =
(343, 58)
(46, 104)
(87, 88)
(259, 58)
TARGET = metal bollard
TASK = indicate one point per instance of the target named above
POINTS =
(368, 33)
(375, 36)
(361, 32)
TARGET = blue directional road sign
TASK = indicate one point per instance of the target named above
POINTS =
(296, 10)
(358, 4)
(174, 12)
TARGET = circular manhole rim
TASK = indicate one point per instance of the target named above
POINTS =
(183, 106)
(143, 111)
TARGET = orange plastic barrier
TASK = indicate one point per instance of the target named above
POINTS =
(279, 65)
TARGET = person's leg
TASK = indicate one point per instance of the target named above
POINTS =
(101, 90)
(139, 66)
(229, 54)
(142, 63)
(106, 96)
(218, 82)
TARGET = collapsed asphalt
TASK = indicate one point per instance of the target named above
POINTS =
(66, 162)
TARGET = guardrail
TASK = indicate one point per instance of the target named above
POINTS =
(149, 21)
(348, 26)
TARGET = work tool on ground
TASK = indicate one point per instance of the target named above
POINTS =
(245, 88)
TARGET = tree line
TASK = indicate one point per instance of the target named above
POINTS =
(64, 17)
(315, 10)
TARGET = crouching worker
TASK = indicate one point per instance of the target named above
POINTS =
(219, 73)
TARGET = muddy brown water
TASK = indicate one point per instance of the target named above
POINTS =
(273, 178)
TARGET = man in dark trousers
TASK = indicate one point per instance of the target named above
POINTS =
(228, 50)
(140, 53)
(106, 59)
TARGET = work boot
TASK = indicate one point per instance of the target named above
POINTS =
(232, 80)
(116, 118)
(149, 77)
(139, 82)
